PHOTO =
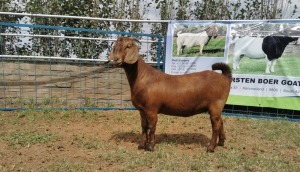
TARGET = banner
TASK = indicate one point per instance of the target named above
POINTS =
(264, 57)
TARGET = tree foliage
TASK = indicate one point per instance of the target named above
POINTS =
(12, 6)
(241, 10)
(123, 9)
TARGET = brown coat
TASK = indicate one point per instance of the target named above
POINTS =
(154, 92)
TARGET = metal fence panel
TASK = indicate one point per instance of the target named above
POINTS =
(50, 81)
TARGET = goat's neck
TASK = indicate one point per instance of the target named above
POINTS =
(138, 72)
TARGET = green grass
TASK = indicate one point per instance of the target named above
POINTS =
(82, 141)
(27, 138)
(285, 66)
(31, 102)
(65, 165)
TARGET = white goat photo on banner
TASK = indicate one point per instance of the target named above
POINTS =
(265, 48)
(199, 40)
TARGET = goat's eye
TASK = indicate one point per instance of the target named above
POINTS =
(129, 45)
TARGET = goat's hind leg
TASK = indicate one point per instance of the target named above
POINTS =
(236, 61)
(222, 136)
(217, 131)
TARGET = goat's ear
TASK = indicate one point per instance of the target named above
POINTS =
(132, 55)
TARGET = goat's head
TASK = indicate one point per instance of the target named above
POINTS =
(212, 31)
(291, 33)
(125, 50)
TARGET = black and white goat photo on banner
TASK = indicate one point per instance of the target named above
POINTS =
(264, 56)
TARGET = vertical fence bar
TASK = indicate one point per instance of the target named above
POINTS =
(4, 84)
(95, 86)
(80, 76)
(49, 54)
(19, 99)
(159, 51)
(65, 75)
(35, 83)
(34, 49)
(164, 54)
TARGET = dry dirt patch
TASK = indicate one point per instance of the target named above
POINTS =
(108, 140)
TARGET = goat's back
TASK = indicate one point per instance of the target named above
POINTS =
(192, 39)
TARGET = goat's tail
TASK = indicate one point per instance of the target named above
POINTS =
(226, 70)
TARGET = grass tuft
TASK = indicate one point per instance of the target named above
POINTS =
(27, 138)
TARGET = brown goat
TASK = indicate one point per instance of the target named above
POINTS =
(153, 92)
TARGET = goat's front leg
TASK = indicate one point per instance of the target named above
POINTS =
(273, 63)
(144, 125)
(152, 121)
(179, 50)
(201, 49)
(268, 65)
(216, 125)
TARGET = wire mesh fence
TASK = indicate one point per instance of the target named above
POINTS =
(262, 112)
(63, 67)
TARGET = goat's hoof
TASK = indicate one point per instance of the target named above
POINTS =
(221, 143)
(141, 147)
(210, 149)
(149, 148)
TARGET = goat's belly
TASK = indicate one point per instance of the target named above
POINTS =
(190, 44)
(181, 111)
(255, 54)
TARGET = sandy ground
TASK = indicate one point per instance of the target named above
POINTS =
(91, 141)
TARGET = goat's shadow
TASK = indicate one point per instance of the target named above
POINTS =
(180, 139)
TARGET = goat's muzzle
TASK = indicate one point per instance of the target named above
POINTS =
(116, 61)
